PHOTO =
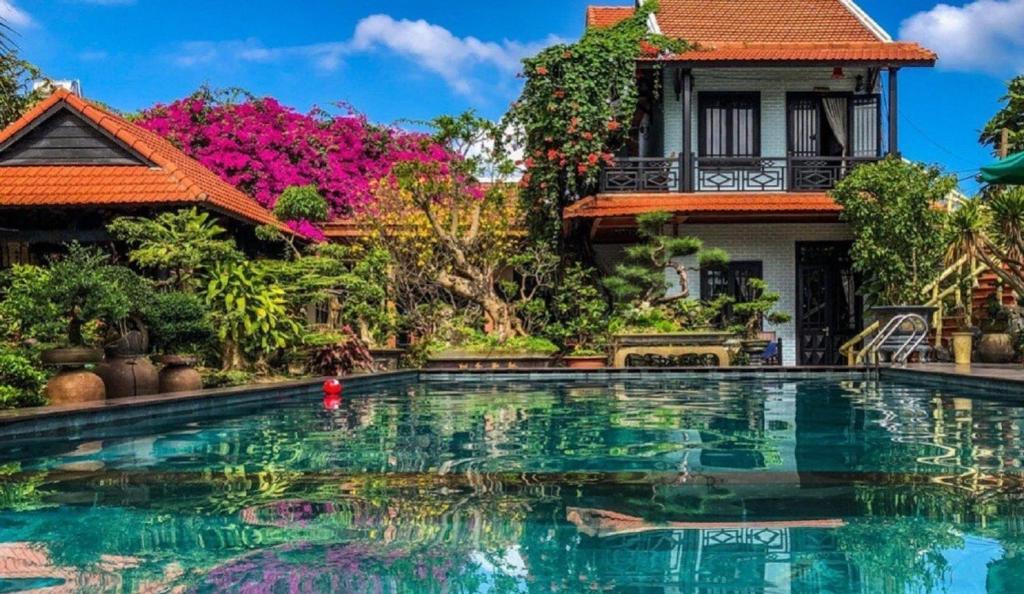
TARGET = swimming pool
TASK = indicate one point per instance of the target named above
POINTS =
(670, 483)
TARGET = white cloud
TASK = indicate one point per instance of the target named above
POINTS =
(14, 16)
(985, 35)
(434, 48)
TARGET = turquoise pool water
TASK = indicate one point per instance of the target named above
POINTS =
(667, 485)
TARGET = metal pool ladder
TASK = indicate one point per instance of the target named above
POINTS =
(905, 345)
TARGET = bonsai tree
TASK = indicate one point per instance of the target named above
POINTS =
(899, 238)
(641, 280)
(302, 208)
(80, 289)
(178, 323)
(180, 246)
(750, 316)
(580, 313)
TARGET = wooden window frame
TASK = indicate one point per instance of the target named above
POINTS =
(704, 98)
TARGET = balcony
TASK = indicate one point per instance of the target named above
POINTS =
(717, 174)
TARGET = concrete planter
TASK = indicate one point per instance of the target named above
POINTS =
(586, 362)
(696, 349)
(462, 360)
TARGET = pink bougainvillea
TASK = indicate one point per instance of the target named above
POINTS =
(262, 147)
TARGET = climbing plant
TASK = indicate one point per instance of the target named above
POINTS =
(576, 108)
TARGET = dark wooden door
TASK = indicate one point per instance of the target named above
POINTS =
(828, 307)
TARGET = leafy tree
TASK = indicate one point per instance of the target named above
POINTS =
(1010, 117)
(899, 232)
(182, 245)
(576, 108)
(579, 312)
(443, 228)
(16, 92)
(641, 280)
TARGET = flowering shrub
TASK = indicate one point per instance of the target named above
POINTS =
(576, 108)
(263, 147)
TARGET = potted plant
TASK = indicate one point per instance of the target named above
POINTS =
(71, 304)
(181, 329)
(963, 337)
(996, 344)
(749, 318)
(126, 370)
(580, 319)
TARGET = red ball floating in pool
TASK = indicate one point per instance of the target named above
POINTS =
(332, 387)
(332, 401)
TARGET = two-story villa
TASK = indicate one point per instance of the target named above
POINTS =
(778, 102)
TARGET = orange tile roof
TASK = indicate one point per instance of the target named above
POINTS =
(829, 53)
(621, 205)
(744, 31)
(787, 21)
(175, 178)
(607, 16)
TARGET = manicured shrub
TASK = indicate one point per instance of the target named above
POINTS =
(179, 323)
(21, 382)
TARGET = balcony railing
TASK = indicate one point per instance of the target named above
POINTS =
(732, 174)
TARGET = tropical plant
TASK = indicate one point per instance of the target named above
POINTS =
(344, 356)
(899, 231)
(1009, 118)
(249, 314)
(991, 232)
(178, 323)
(21, 382)
(301, 208)
(577, 107)
(263, 147)
(180, 245)
(749, 316)
(641, 280)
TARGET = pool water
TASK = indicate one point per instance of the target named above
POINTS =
(667, 485)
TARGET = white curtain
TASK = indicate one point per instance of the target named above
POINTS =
(838, 118)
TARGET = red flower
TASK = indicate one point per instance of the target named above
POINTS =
(552, 154)
(613, 125)
(529, 162)
(559, 94)
(582, 168)
(592, 158)
(588, 136)
(542, 70)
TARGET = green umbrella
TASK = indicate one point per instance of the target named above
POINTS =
(1009, 171)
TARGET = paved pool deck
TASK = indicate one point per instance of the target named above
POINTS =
(1001, 378)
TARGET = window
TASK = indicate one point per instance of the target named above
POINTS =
(731, 279)
(729, 125)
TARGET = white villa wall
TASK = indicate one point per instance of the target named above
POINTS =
(772, 244)
(772, 83)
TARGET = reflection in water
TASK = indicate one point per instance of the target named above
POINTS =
(673, 485)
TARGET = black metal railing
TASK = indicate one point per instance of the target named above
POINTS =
(728, 174)
(643, 174)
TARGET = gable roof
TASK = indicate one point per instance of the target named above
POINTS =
(167, 176)
(741, 31)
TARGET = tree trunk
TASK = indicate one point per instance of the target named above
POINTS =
(231, 356)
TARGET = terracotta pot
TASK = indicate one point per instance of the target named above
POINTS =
(178, 374)
(962, 347)
(72, 357)
(996, 347)
(75, 386)
(128, 376)
(586, 362)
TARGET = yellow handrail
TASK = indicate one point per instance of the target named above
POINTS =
(938, 296)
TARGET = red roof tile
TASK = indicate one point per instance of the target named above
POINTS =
(175, 178)
(787, 21)
(607, 16)
(740, 31)
(621, 205)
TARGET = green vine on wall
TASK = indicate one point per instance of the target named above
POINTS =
(576, 109)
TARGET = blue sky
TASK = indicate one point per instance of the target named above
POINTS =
(414, 59)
